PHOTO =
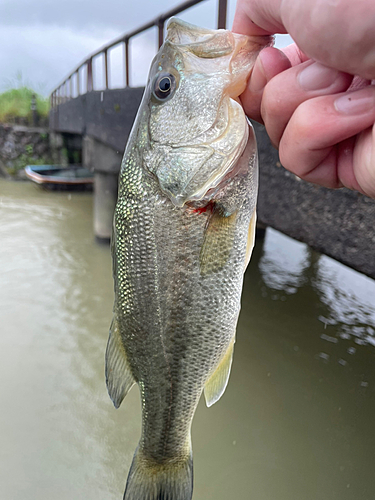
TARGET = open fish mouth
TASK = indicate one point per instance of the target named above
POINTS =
(216, 44)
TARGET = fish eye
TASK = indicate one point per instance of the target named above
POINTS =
(164, 85)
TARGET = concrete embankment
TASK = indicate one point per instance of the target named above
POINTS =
(20, 145)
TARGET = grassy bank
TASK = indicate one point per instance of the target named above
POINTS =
(15, 106)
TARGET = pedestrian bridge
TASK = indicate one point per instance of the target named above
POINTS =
(96, 124)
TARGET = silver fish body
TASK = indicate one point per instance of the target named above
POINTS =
(183, 234)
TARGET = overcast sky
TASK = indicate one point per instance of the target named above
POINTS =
(46, 39)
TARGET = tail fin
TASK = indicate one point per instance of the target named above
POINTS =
(151, 481)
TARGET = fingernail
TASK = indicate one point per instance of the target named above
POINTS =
(258, 78)
(317, 77)
(356, 103)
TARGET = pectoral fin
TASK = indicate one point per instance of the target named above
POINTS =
(217, 383)
(117, 371)
(250, 238)
(217, 243)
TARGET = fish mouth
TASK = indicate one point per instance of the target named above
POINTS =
(180, 32)
(212, 44)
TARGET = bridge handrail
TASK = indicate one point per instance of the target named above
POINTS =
(64, 91)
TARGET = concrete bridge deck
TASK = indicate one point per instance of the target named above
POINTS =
(338, 223)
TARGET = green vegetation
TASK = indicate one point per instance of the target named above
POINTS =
(16, 102)
(15, 106)
(25, 147)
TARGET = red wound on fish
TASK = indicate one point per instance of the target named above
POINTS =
(201, 210)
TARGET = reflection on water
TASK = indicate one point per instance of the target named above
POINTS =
(348, 296)
(283, 270)
(296, 421)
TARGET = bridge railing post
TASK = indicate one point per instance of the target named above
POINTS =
(127, 62)
(161, 31)
(222, 14)
(106, 68)
(90, 82)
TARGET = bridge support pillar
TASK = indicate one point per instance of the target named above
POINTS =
(105, 197)
(105, 162)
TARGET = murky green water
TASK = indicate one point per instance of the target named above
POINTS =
(296, 422)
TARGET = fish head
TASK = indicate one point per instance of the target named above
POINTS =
(196, 126)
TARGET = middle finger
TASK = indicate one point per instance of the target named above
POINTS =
(287, 90)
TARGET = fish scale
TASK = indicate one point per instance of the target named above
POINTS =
(178, 265)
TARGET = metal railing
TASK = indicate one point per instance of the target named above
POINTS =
(64, 91)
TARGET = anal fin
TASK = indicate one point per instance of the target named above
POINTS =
(118, 375)
(217, 383)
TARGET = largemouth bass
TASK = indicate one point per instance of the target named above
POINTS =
(183, 233)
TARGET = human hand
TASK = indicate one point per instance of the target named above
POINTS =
(318, 115)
